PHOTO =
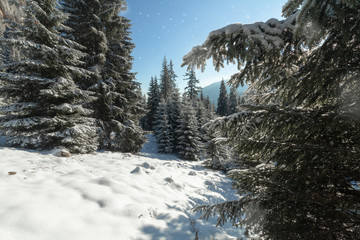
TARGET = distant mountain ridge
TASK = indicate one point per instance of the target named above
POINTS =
(213, 89)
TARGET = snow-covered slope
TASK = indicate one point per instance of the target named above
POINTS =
(107, 196)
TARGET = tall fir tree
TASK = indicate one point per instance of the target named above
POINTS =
(173, 108)
(170, 94)
(233, 100)
(299, 143)
(189, 142)
(201, 95)
(192, 89)
(223, 101)
(207, 104)
(217, 151)
(163, 129)
(119, 91)
(166, 83)
(172, 73)
(87, 29)
(152, 103)
(105, 33)
(48, 107)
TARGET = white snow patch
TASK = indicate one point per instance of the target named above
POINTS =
(108, 196)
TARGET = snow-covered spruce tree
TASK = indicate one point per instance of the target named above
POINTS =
(233, 100)
(223, 101)
(208, 105)
(203, 116)
(152, 104)
(189, 142)
(11, 14)
(192, 89)
(170, 94)
(88, 30)
(217, 151)
(163, 129)
(201, 113)
(119, 104)
(172, 73)
(118, 108)
(47, 109)
(299, 145)
(173, 109)
(166, 80)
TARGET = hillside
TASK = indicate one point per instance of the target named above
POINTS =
(212, 91)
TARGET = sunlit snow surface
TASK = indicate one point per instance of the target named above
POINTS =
(106, 196)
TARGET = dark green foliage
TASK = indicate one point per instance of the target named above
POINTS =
(47, 109)
(233, 100)
(123, 137)
(174, 108)
(217, 153)
(298, 138)
(172, 74)
(223, 101)
(121, 91)
(87, 29)
(169, 94)
(73, 69)
(192, 87)
(189, 142)
(152, 104)
(163, 129)
(167, 77)
(99, 27)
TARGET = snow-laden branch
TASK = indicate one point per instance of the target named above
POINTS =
(241, 43)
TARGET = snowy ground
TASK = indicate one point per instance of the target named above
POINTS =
(107, 196)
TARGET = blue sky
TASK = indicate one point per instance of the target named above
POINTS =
(172, 27)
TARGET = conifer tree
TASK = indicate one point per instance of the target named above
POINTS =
(223, 101)
(166, 83)
(87, 29)
(172, 73)
(201, 113)
(201, 95)
(203, 116)
(192, 89)
(163, 129)
(119, 92)
(217, 151)
(170, 93)
(48, 107)
(189, 142)
(207, 104)
(152, 103)
(299, 143)
(173, 108)
(118, 108)
(233, 100)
